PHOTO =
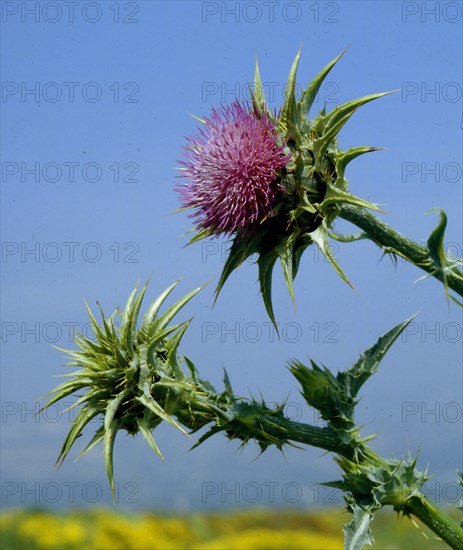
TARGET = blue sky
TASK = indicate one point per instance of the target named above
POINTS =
(96, 102)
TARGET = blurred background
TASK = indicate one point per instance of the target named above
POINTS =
(95, 107)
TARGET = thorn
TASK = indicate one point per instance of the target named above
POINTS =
(344, 51)
(200, 119)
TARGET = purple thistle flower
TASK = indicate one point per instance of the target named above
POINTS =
(231, 169)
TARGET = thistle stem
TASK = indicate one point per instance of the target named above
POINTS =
(315, 436)
(326, 438)
(285, 430)
(389, 239)
(444, 526)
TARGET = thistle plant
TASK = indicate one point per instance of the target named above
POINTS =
(275, 184)
(230, 158)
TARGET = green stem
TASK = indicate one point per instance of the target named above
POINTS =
(267, 427)
(326, 438)
(389, 239)
(323, 438)
(444, 526)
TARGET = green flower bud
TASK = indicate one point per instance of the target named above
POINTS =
(131, 375)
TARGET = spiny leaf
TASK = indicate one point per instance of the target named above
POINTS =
(151, 404)
(239, 251)
(319, 237)
(157, 340)
(258, 94)
(97, 438)
(168, 382)
(212, 431)
(80, 421)
(227, 383)
(150, 315)
(108, 446)
(125, 314)
(289, 110)
(341, 112)
(191, 368)
(310, 93)
(129, 325)
(64, 390)
(172, 345)
(438, 256)
(336, 196)
(112, 407)
(436, 240)
(320, 145)
(357, 532)
(266, 263)
(369, 361)
(343, 160)
(143, 424)
(346, 238)
(93, 396)
(285, 253)
(301, 243)
(93, 322)
(201, 233)
(164, 319)
(110, 330)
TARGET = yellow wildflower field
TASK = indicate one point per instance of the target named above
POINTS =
(107, 529)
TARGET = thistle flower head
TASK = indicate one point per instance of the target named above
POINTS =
(286, 173)
(129, 374)
(231, 169)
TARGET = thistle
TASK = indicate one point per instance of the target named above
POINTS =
(131, 375)
(231, 170)
(275, 184)
(308, 171)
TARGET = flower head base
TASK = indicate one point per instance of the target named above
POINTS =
(232, 169)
